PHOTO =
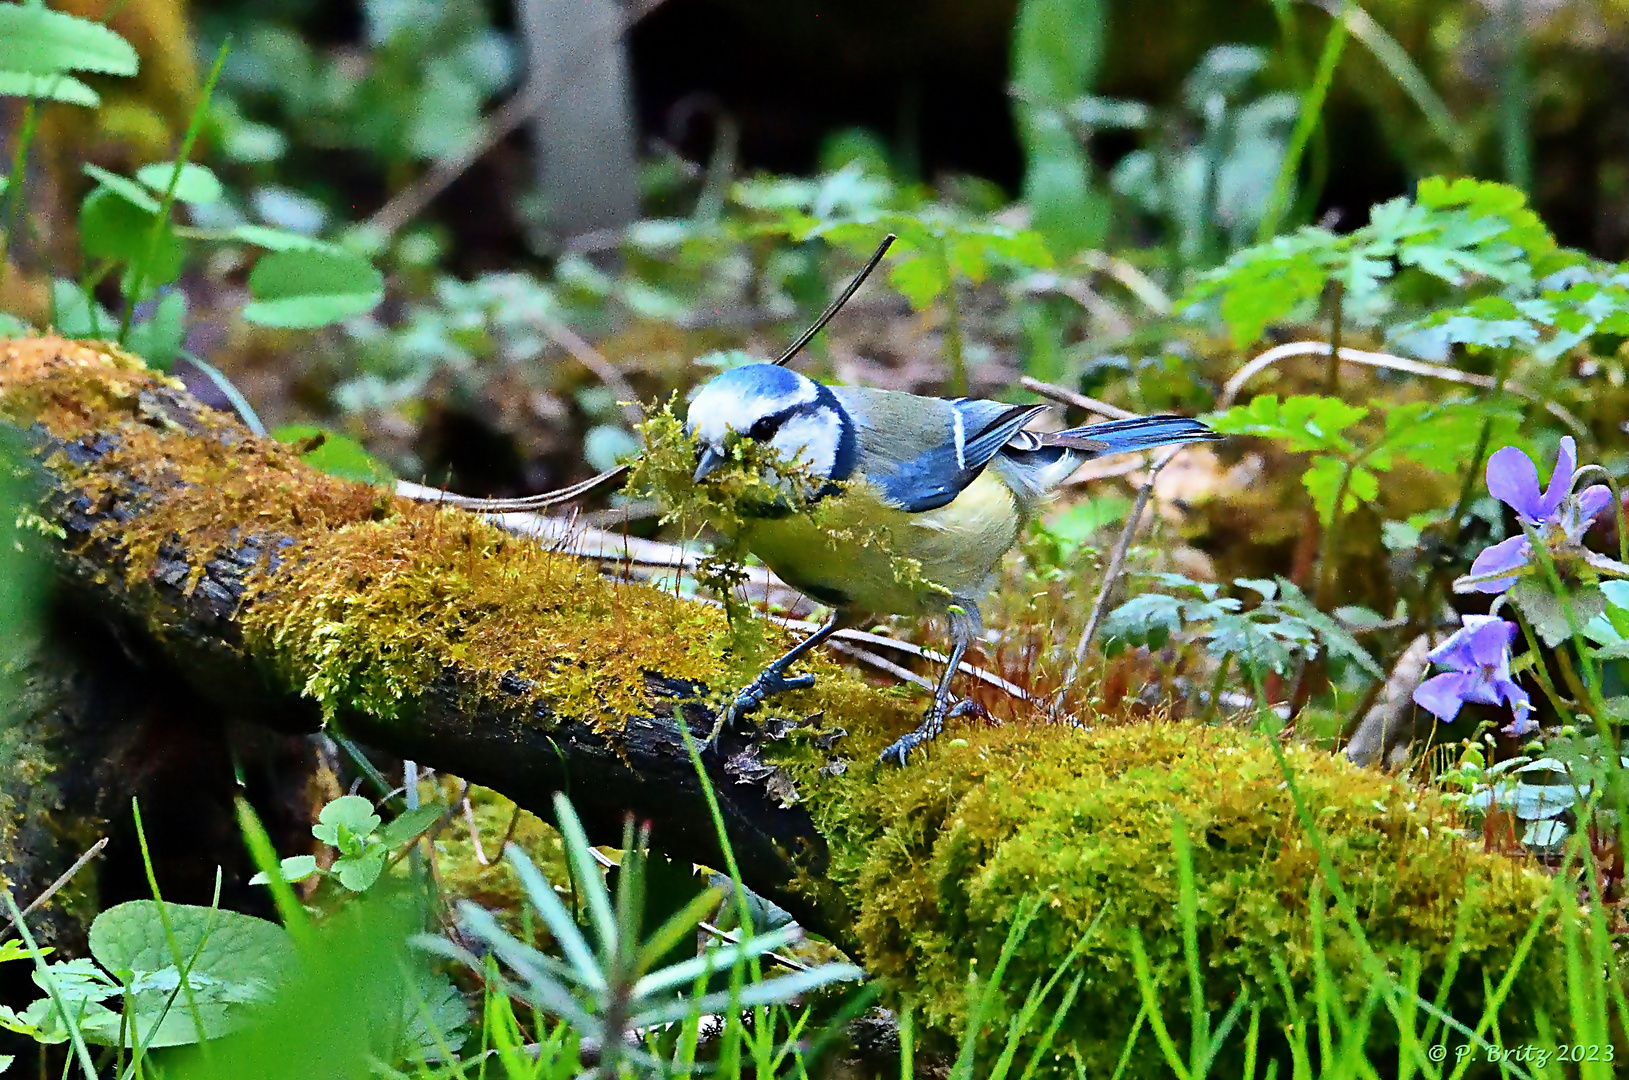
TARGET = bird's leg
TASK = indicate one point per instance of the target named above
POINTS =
(774, 680)
(964, 628)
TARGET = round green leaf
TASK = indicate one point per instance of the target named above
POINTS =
(350, 811)
(58, 87)
(124, 187)
(38, 41)
(240, 960)
(110, 227)
(336, 455)
(197, 185)
(292, 869)
(306, 289)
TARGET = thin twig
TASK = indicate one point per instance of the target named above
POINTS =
(1231, 388)
(55, 886)
(420, 493)
(866, 656)
(537, 92)
(475, 834)
(1116, 564)
(595, 361)
(1080, 401)
(734, 939)
(1136, 282)
(929, 655)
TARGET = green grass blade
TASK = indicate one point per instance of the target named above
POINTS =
(1312, 107)
(1408, 76)
(1151, 1006)
(587, 871)
(963, 1068)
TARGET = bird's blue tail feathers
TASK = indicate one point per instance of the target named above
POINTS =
(1137, 433)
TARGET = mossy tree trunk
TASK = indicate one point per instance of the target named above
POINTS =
(289, 599)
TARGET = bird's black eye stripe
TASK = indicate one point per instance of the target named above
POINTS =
(765, 427)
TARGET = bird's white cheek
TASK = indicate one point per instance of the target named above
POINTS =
(811, 440)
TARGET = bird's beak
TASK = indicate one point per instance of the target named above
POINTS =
(711, 459)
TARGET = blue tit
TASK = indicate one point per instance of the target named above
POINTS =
(949, 484)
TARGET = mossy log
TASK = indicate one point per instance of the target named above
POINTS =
(298, 599)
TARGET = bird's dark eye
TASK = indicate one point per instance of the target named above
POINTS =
(763, 430)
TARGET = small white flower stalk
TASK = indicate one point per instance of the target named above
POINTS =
(609, 991)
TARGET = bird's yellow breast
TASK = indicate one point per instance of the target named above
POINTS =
(852, 550)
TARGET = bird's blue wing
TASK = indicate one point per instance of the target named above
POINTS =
(937, 475)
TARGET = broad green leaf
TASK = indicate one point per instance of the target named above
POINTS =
(411, 824)
(1066, 208)
(294, 868)
(435, 1016)
(1268, 282)
(1442, 437)
(1544, 610)
(1482, 199)
(157, 339)
(337, 455)
(1323, 482)
(1057, 46)
(1337, 640)
(1080, 522)
(13, 327)
(1306, 422)
(74, 315)
(38, 41)
(342, 1010)
(124, 187)
(306, 289)
(350, 812)
(57, 87)
(196, 185)
(1258, 645)
(920, 278)
(240, 961)
(111, 227)
(276, 239)
(1149, 620)
(358, 872)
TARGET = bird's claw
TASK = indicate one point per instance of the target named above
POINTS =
(768, 683)
(900, 750)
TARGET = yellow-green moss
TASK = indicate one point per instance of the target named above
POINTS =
(759, 480)
(381, 608)
(941, 857)
(376, 596)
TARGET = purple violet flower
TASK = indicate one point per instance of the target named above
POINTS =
(1479, 655)
(1558, 516)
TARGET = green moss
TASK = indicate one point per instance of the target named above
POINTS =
(760, 483)
(379, 609)
(375, 596)
(942, 857)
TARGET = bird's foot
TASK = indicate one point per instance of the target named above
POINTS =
(770, 681)
(931, 726)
